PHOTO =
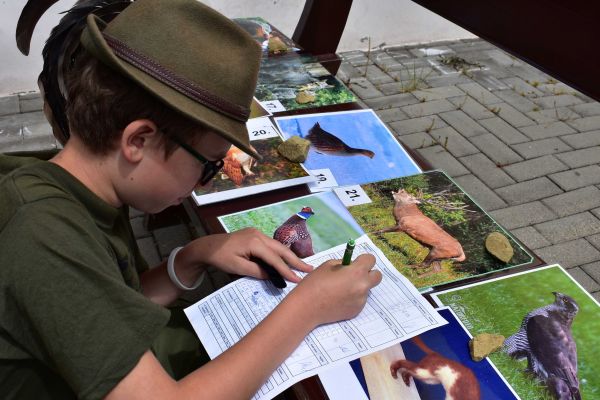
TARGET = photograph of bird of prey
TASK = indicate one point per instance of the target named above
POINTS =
(354, 146)
(551, 327)
(545, 340)
(307, 225)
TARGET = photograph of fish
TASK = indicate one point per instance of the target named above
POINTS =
(435, 365)
(307, 225)
(355, 146)
(433, 232)
(272, 41)
(551, 327)
(299, 81)
(242, 175)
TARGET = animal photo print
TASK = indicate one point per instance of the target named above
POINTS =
(431, 230)
(551, 327)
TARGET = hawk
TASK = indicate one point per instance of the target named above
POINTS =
(545, 339)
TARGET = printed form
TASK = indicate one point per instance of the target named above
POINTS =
(395, 311)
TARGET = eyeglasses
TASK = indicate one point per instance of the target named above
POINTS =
(210, 168)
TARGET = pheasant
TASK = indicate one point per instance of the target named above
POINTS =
(237, 165)
(325, 142)
(60, 49)
(294, 233)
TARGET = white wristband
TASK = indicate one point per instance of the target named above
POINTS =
(173, 276)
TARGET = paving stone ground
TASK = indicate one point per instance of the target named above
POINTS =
(525, 146)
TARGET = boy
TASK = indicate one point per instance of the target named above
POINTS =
(155, 99)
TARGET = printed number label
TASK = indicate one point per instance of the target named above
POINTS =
(324, 180)
(261, 128)
(352, 195)
(273, 106)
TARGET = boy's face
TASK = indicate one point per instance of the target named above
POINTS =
(167, 182)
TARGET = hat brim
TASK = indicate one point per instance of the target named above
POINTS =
(229, 128)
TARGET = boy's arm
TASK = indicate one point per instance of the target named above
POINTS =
(328, 294)
(231, 253)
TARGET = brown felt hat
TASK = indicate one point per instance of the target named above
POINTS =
(194, 59)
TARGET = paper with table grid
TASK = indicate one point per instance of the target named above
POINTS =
(395, 311)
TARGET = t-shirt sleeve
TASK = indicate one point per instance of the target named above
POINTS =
(72, 308)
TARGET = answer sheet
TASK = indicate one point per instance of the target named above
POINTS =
(395, 311)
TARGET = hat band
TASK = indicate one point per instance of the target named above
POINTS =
(179, 83)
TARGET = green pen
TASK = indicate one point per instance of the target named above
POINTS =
(347, 259)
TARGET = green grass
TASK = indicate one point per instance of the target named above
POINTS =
(499, 307)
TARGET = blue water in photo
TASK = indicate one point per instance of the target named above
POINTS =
(360, 129)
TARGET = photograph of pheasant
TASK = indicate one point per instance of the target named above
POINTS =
(308, 224)
(295, 234)
(355, 146)
(551, 327)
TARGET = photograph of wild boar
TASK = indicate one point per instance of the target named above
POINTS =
(433, 232)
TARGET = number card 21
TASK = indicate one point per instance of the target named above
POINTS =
(352, 195)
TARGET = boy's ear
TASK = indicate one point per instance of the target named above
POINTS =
(138, 136)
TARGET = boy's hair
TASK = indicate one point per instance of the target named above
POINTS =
(101, 103)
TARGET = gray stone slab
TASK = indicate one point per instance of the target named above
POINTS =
(9, 105)
(443, 160)
(391, 88)
(452, 141)
(486, 170)
(503, 130)
(556, 88)
(447, 80)
(582, 140)
(356, 58)
(569, 254)
(582, 157)
(387, 62)
(11, 129)
(29, 102)
(502, 58)
(134, 212)
(529, 74)
(149, 251)
(437, 93)
(569, 228)
(170, 237)
(495, 149)
(412, 76)
(534, 168)
(479, 93)
(519, 102)
(430, 50)
(543, 131)
(523, 215)
(391, 115)
(538, 148)
(531, 190)
(574, 201)
(487, 79)
(480, 193)
(586, 124)
(397, 100)
(347, 71)
(552, 115)
(563, 100)
(422, 109)
(138, 227)
(577, 178)
(363, 88)
(418, 140)
(464, 124)
(471, 107)
(593, 270)
(530, 237)
(35, 125)
(423, 124)
(511, 115)
(375, 75)
(584, 279)
(523, 88)
(587, 109)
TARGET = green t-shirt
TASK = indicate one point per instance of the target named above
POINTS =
(73, 319)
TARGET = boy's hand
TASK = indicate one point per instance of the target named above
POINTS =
(232, 252)
(337, 292)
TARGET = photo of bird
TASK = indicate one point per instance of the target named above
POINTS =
(546, 341)
(295, 234)
(237, 165)
(60, 48)
(325, 143)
